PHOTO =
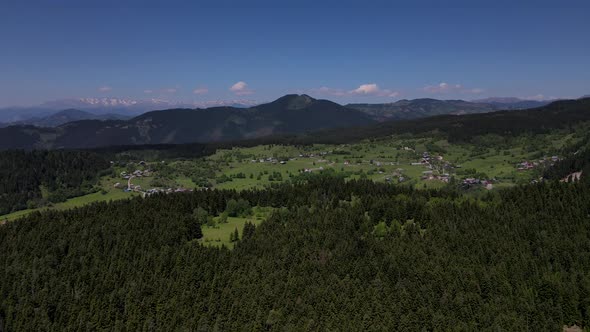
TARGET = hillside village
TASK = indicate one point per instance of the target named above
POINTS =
(255, 167)
(145, 173)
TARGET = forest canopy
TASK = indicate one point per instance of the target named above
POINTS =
(335, 255)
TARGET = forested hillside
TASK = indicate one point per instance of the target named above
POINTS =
(335, 255)
(421, 108)
(31, 179)
(460, 128)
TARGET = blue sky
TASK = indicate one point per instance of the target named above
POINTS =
(366, 51)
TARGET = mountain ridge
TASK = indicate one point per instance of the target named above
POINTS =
(65, 116)
(290, 114)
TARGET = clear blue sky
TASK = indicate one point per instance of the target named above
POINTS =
(367, 51)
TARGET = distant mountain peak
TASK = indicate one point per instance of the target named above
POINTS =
(501, 100)
(294, 101)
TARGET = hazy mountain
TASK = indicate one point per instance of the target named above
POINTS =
(66, 116)
(15, 114)
(136, 107)
(425, 107)
(102, 106)
(289, 114)
(420, 108)
(509, 103)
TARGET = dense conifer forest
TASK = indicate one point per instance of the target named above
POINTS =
(335, 255)
(24, 176)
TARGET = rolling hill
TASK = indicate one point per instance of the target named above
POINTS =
(558, 114)
(426, 107)
(419, 108)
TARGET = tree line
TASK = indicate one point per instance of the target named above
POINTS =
(24, 175)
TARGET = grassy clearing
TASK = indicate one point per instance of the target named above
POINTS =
(220, 234)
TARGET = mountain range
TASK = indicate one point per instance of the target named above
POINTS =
(290, 114)
(102, 106)
(65, 116)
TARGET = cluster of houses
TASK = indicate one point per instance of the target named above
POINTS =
(426, 159)
(311, 170)
(430, 162)
(153, 191)
(270, 160)
(313, 155)
(137, 188)
(526, 165)
(470, 182)
(136, 174)
(397, 174)
(429, 175)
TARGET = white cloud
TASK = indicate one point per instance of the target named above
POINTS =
(241, 88)
(105, 89)
(201, 91)
(372, 89)
(388, 93)
(444, 87)
(170, 90)
(148, 91)
(366, 89)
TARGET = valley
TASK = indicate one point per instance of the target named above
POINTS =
(450, 209)
(418, 161)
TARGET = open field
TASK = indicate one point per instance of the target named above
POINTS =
(219, 235)
(394, 159)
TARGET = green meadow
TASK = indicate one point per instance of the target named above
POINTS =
(387, 159)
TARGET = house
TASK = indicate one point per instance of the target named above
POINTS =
(526, 165)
